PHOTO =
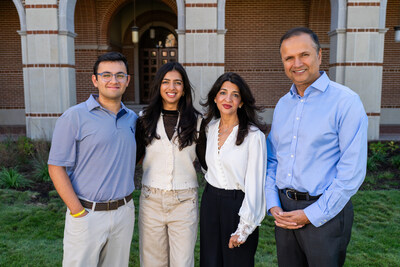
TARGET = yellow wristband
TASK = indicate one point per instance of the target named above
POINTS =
(78, 214)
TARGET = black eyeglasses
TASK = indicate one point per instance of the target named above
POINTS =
(107, 76)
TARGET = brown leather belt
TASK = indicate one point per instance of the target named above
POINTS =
(102, 206)
(296, 195)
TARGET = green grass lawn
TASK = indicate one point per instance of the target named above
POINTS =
(31, 233)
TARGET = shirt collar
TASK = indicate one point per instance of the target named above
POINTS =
(320, 84)
(92, 103)
(123, 107)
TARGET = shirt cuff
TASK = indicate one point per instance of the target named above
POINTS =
(272, 199)
(315, 215)
(60, 163)
(244, 230)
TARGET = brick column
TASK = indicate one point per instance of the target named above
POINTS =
(201, 46)
(48, 66)
(356, 58)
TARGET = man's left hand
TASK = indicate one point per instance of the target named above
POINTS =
(295, 216)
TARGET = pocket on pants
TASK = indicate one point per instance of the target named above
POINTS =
(77, 225)
(130, 204)
(145, 191)
(187, 195)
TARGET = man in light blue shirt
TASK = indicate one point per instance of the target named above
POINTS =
(317, 153)
(92, 165)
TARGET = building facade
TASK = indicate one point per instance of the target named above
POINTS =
(49, 46)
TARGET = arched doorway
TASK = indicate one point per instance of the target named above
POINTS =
(155, 14)
(154, 52)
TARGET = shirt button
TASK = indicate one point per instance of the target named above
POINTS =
(291, 156)
(294, 137)
(302, 101)
(297, 118)
(289, 174)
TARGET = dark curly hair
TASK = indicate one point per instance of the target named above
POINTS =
(247, 114)
(186, 132)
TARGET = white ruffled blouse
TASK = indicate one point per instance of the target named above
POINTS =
(241, 168)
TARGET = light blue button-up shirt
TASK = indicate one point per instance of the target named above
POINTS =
(318, 144)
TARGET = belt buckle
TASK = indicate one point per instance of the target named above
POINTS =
(291, 191)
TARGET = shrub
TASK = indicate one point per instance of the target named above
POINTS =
(387, 175)
(39, 161)
(378, 148)
(379, 151)
(40, 170)
(25, 149)
(11, 178)
(373, 163)
(392, 146)
(395, 161)
(8, 153)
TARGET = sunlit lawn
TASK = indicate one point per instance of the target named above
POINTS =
(31, 234)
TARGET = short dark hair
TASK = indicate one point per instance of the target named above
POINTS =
(110, 56)
(299, 31)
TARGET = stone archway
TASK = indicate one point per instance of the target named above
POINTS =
(178, 7)
(159, 14)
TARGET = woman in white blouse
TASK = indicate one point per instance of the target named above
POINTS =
(233, 202)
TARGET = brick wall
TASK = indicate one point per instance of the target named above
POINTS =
(11, 77)
(87, 29)
(391, 60)
(252, 41)
(171, 4)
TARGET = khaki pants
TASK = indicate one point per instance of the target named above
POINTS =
(101, 238)
(167, 227)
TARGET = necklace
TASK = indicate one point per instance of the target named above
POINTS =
(223, 134)
(224, 130)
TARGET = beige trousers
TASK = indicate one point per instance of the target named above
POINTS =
(101, 238)
(167, 227)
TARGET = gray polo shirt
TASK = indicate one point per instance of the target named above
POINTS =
(98, 149)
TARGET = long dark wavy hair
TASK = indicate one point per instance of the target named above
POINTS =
(186, 131)
(247, 114)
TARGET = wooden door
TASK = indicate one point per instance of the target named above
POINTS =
(151, 59)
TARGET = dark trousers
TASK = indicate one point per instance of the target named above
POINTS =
(314, 246)
(218, 220)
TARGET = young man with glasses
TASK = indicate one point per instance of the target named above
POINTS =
(92, 164)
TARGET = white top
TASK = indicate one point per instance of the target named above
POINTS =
(241, 168)
(165, 166)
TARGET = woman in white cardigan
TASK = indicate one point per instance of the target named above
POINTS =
(166, 135)
(233, 202)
